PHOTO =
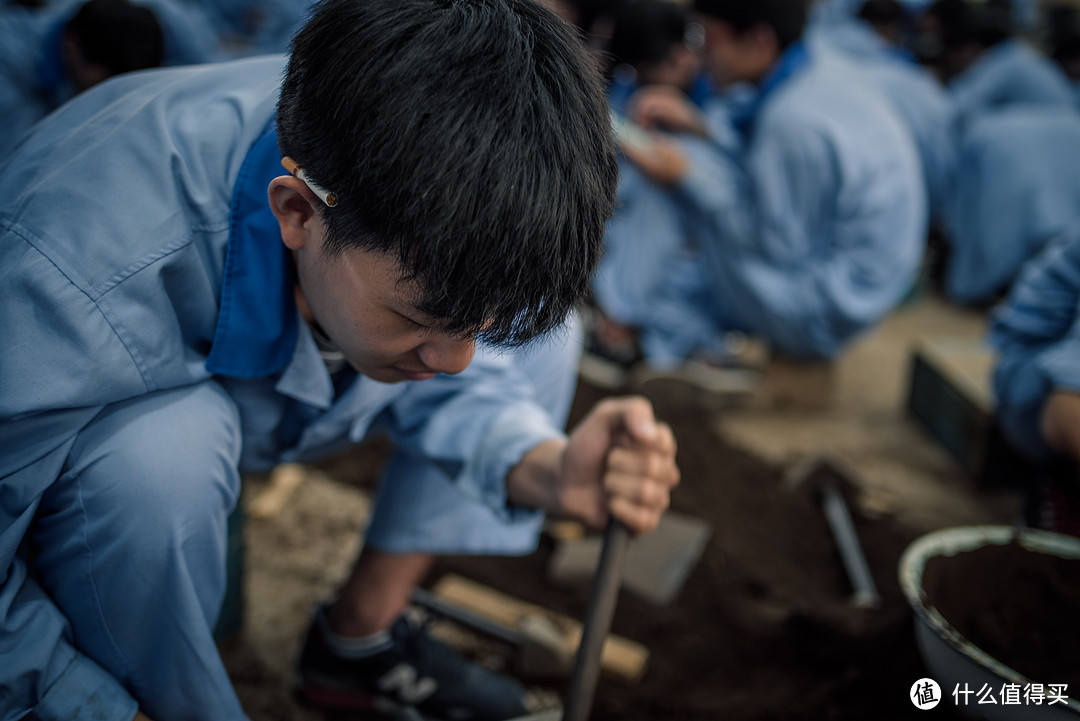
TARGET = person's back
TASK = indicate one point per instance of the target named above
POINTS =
(984, 66)
(918, 98)
(1011, 73)
(221, 110)
(1017, 185)
(839, 216)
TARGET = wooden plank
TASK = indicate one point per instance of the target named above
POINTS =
(620, 657)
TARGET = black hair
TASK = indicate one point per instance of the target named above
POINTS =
(964, 23)
(118, 35)
(468, 139)
(645, 31)
(883, 12)
(787, 18)
(1063, 33)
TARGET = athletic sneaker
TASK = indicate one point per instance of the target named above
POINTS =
(417, 671)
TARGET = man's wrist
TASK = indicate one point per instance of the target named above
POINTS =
(533, 481)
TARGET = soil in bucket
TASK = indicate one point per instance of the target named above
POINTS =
(1019, 606)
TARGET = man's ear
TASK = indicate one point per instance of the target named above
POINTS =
(295, 207)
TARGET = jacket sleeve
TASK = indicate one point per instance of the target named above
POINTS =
(1037, 336)
(475, 425)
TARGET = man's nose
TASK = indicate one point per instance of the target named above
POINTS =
(448, 355)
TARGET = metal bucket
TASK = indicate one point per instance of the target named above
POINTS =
(952, 659)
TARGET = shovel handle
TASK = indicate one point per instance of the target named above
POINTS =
(598, 616)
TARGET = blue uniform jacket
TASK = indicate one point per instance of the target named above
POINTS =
(1010, 73)
(136, 255)
(816, 228)
(1017, 186)
(919, 99)
(1037, 336)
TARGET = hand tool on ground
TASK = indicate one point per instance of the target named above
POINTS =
(823, 471)
(542, 648)
(843, 531)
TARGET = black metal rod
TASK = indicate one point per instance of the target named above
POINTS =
(598, 616)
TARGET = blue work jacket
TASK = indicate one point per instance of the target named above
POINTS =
(1037, 337)
(137, 253)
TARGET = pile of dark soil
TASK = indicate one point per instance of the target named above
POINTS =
(763, 627)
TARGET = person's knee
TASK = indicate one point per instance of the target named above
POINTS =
(166, 461)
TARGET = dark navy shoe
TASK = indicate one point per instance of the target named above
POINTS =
(417, 671)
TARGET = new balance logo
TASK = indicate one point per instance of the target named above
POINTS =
(402, 681)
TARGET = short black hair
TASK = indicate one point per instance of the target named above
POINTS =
(644, 31)
(1063, 33)
(118, 35)
(787, 18)
(964, 23)
(470, 140)
(882, 12)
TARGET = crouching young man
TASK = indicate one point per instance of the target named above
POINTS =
(178, 310)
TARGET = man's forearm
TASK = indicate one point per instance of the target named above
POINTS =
(533, 481)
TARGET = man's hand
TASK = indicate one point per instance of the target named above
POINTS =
(663, 107)
(1061, 422)
(663, 161)
(619, 460)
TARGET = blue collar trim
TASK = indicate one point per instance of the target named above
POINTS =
(789, 64)
(258, 321)
(52, 74)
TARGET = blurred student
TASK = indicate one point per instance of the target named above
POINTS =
(805, 224)
(1037, 377)
(49, 57)
(655, 42)
(972, 49)
(1017, 186)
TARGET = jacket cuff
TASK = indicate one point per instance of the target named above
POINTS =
(85, 690)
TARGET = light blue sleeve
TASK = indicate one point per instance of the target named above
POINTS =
(475, 425)
(1037, 336)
